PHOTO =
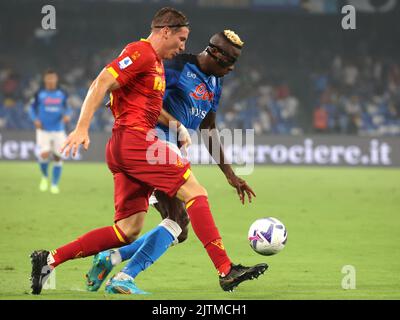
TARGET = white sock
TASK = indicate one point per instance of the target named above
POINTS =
(123, 276)
(172, 227)
(115, 257)
(50, 260)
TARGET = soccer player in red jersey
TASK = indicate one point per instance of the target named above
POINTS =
(137, 84)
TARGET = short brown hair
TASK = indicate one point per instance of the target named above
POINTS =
(49, 71)
(169, 17)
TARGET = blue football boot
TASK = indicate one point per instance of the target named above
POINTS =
(123, 285)
(99, 271)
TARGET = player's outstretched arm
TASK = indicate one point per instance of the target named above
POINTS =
(211, 134)
(103, 83)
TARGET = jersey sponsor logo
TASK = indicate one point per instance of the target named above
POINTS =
(125, 62)
(191, 75)
(159, 84)
(199, 113)
(52, 101)
(201, 93)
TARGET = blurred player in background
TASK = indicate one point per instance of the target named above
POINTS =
(49, 112)
(193, 91)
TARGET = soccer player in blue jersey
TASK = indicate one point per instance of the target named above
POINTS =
(193, 91)
(49, 112)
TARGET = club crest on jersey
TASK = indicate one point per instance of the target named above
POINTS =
(125, 62)
(179, 163)
(158, 68)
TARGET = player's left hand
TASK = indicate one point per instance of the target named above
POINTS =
(241, 187)
(74, 140)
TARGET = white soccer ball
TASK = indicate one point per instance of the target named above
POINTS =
(267, 236)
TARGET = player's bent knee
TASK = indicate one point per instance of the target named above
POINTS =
(132, 226)
(196, 191)
(132, 235)
(191, 189)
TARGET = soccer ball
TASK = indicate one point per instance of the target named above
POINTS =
(267, 236)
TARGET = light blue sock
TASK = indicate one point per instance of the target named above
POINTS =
(44, 168)
(129, 250)
(57, 169)
(153, 247)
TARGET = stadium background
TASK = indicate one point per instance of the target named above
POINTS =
(301, 78)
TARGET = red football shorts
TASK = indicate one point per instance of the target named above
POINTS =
(139, 166)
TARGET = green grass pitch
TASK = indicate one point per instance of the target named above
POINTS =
(334, 217)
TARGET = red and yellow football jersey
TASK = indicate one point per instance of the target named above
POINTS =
(140, 73)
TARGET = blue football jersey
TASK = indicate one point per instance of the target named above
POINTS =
(190, 94)
(50, 107)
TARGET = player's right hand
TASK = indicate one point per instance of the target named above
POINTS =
(38, 124)
(241, 187)
(74, 140)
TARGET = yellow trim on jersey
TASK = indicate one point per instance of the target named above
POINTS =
(190, 203)
(187, 174)
(120, 238)
(137, 128)
(111, 99)
(145, 40)
(113, 72)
